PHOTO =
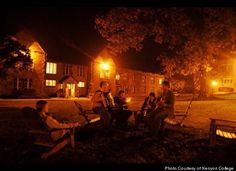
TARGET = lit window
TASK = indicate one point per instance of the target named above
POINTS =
(105, 74)
(81, 84)
(51, 68)
(50, 83)
(160, 81)
(117, 76)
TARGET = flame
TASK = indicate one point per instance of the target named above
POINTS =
(128, 99)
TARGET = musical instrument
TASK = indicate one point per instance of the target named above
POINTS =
(159, 103)
(108, 100)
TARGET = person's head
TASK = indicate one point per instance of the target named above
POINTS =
(42, 106)
(104, 86)
(165, 85)
(121, 94)
(152, 96)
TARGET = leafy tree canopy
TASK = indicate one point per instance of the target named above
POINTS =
(14, 57)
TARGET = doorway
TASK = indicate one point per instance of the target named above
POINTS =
(70, 90)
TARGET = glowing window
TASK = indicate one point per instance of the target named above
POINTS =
(117, 76)
(160, 81)
(50, 83)
(105, 74)
(81, 84)
(51, 68)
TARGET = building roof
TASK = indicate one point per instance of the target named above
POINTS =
(59, 49)
(66, 78)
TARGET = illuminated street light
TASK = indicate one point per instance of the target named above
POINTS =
(214, 83)
(105, 66)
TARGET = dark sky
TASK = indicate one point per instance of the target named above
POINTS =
(59, 28)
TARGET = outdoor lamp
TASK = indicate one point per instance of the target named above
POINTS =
(214, 83)
(105, 66)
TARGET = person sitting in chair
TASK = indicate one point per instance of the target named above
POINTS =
(164, 110)
(101, 104)
(57, 130)
(147, 108)
(122, 113)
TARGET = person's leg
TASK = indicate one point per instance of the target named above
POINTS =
(156, 123)
(56, 135)
(127, 114)
(119, 115)
(56, 148)
(106, 118)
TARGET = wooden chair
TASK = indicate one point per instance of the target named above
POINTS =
(42, 134)
(89, 115)
(183, 113)
(222, 130)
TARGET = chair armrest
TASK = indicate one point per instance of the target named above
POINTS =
(223, 120)
(180, 114)
(179, 111)
(227, 126)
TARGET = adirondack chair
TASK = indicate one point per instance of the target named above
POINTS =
(89, 115)
(42, 134)
(222, 130)
(182, 113)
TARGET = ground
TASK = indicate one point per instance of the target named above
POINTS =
(189, 144)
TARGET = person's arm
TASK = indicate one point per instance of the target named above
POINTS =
(97, 97)
(53, 123)
(144, 104)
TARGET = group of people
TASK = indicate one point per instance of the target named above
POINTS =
(114, 111)
(153, 111)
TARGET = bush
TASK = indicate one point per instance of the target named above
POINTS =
(226, 89)
(60, 93)
(26, 93)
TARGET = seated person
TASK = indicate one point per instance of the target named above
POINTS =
(100, 104)
(148, 106)
(58, 130)
(164, 110)
(122, 113)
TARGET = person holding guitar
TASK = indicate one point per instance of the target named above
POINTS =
(147, 108)
(164, 110)
(100, 104)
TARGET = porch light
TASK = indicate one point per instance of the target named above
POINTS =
(105, 66)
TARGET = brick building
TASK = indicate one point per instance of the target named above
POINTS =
(53, 77)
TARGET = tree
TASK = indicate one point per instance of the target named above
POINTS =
(14, 57)
(192, 38)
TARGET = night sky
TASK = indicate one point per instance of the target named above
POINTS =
(64, 32)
